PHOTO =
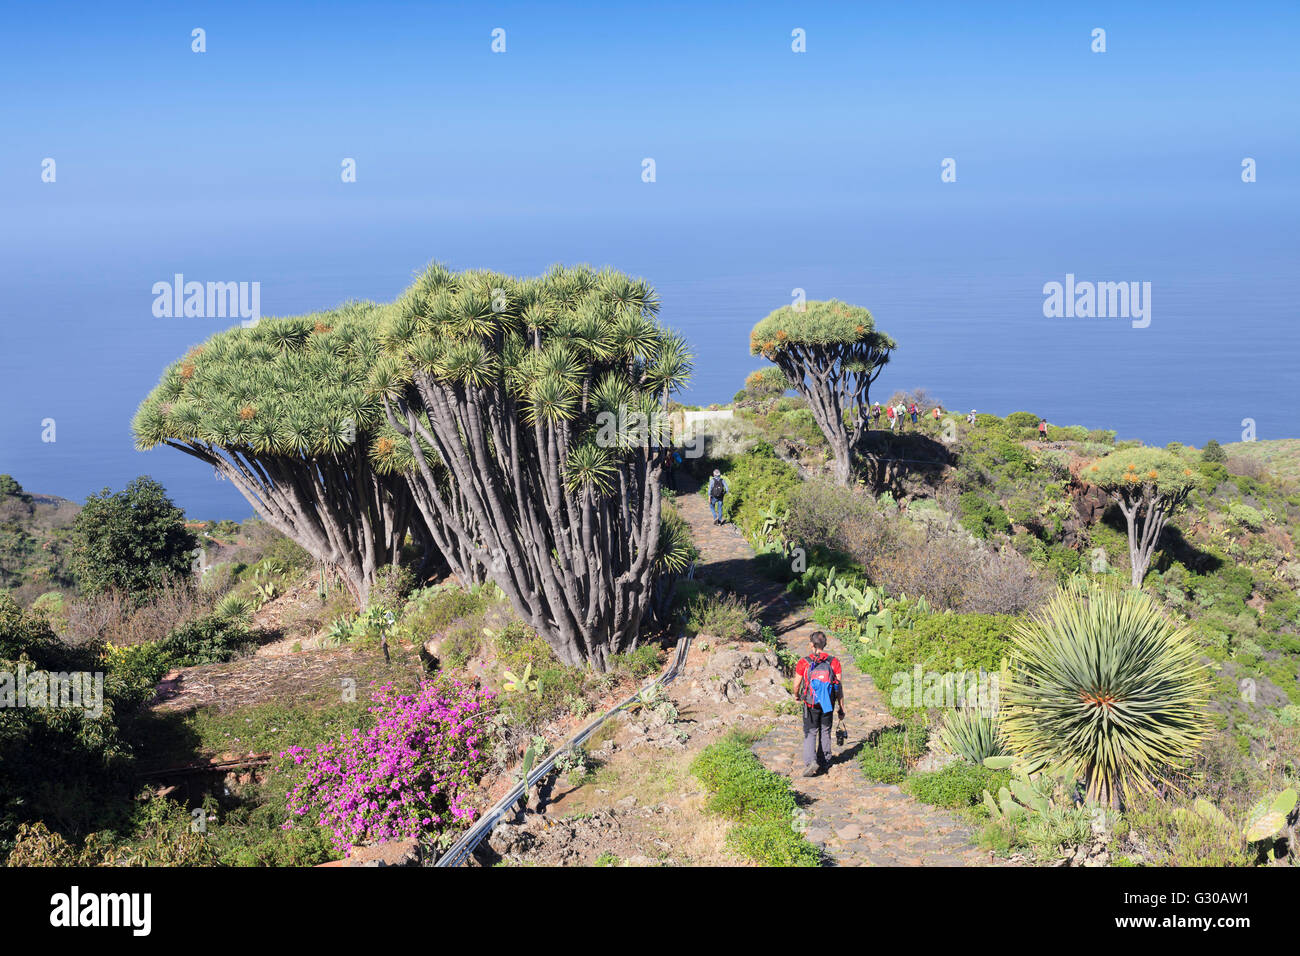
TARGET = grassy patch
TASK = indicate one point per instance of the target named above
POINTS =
(889, 753)
(955, 787)
(761, 803)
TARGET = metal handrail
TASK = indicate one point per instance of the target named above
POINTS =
(462, 848)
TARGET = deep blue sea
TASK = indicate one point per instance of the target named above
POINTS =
(962, 294)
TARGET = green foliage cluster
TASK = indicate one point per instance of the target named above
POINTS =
(943, 643)
(759, 481)
(956, 786)
(981, 517)
(131, 541)
(889, 753)
(722, 614)
(815, 324)
(761, 803)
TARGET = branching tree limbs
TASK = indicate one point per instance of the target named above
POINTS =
(281, 411)
(1149, 485)
(510, 384)
(830, 353)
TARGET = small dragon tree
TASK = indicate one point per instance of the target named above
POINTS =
(1149, 485)
(545, 398)
(830, 353)
(282, 411)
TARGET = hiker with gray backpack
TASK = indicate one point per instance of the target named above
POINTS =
(818, 685)
(718, 489)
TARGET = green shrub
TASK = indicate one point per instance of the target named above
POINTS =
(432, 609)
(889, 753)
(393, 584)
(1021, 420)
(459, 645)
(761, 802)
(206, 640)
(982, 518)
(759, 480)
(721, 614)
(638, 663)
(956, 786)
(943, 643)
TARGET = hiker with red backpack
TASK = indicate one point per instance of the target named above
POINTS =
(817, 684)
(1042, 429)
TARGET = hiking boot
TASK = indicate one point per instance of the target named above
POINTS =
(811, 771)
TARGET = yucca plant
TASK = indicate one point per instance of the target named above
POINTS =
(1106, 688)
(972, 734)
(234, 607)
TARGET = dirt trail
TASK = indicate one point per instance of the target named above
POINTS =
(858, 822)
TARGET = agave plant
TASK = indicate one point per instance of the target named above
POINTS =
(1105, 687)
(234, 607)
(972, 735)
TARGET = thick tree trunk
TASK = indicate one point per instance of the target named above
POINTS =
(577, 566)
(336, 507)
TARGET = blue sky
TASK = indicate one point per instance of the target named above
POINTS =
(775, 170)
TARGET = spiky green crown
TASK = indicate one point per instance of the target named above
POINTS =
(816, 323)
(306, 385)
(1135, 467)
(568, 345)
(287, 386)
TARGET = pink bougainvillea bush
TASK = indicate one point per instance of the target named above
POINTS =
(408, 774)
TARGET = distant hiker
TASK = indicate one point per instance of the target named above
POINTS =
(912, 410)
(672, 460)
(900, 414)
(937, 409)
(875, 413)
(1042, 429)
(718, 489)
(970, 419)
(893, 419)
(818, 685)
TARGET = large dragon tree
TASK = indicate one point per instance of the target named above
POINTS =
(1150, 485)
(830, 353)
(282, 410)
(545, 398)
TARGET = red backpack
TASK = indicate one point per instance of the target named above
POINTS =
(820, 685)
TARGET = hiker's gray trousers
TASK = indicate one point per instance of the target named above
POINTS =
(816, 736)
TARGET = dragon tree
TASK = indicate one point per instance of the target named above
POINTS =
(1149, 485)
(283, 412)
(545, 399)
(830, 352)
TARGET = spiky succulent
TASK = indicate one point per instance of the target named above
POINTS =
(1105, 687)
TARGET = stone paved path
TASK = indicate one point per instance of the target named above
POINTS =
(859, 823)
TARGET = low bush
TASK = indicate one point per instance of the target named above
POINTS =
(429, 610)
(761, 803)
(721, 614)
(956, 786)
(211, 639)
(889, 753)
